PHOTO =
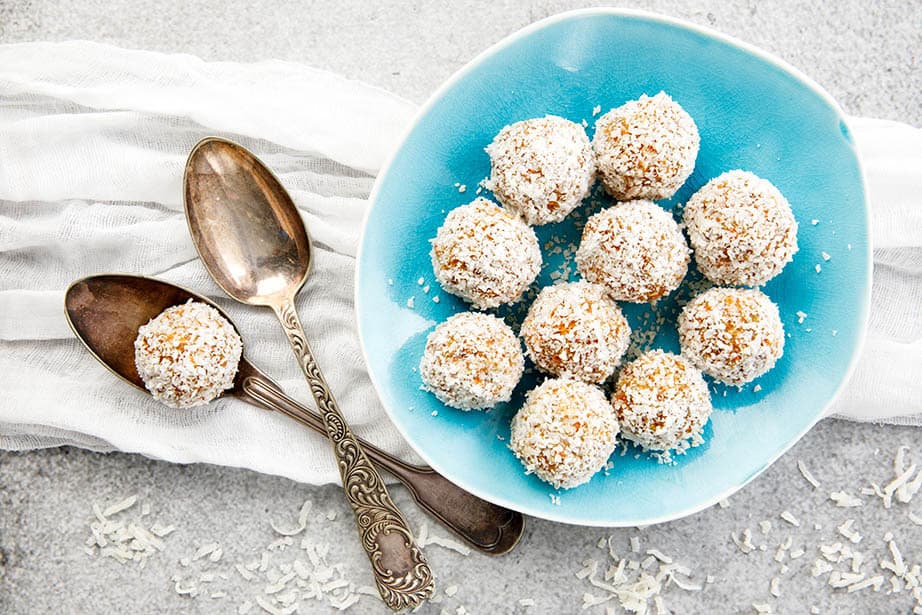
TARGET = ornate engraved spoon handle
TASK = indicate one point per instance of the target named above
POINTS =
(401, 572)
(487, 527)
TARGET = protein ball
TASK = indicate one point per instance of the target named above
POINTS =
(575, 330)
(187, 355)
(732, 334)
(485, 255)
(565, 432)
(662, 403)
(472, 361)
(541, 168)
(635, 249)
(646, 148)
(742, 229)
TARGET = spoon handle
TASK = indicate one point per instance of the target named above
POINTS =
(401, 572)
(485, 526)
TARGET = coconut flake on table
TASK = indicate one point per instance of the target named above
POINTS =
(646, 148)
(790, 518)
(634, 585)
(425, 538)
(844, 499)
(541, 169)
(302, 521)
(743, 540)
(847, 530)
(485, 255)
(802, 468)
(114, 536)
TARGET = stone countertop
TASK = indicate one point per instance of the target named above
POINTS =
(868, 55)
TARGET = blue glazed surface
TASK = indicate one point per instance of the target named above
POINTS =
(753, 113)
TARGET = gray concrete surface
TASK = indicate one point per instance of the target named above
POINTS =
(868, 55)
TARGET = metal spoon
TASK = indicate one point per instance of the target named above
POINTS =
(252, 240)
(105, 312)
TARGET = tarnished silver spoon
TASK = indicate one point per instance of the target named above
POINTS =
(105, 312)
(252, 241)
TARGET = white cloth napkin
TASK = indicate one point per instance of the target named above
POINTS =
(93, 140)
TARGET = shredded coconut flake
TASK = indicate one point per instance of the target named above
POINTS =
(790, 518)
(773, 587)
(820, 567)
(876, 582)
(849, 532)
(845, 500)
(743, 541)
(124, 541)
(807, 475)
(426, 538)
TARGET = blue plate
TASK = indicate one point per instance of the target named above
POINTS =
(754, 112)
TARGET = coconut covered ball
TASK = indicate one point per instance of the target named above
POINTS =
(541, 168)
(472, 361)
(485, 255)
(635, 249)
(742, 229)
(187, 355)
(565, 432)
(576, 330)
(646, 148)
(662, 403)
(732, 334)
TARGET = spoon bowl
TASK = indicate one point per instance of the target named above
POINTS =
(247, 229)
(105, 313)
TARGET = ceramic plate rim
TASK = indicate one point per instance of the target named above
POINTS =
(492, 50)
